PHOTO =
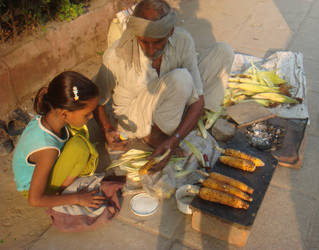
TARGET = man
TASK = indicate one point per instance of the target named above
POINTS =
(159, 90)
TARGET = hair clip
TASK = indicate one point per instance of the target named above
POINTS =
(75, 92)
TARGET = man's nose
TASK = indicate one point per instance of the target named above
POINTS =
(151, 47)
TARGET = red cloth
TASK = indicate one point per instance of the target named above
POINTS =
(76, 223)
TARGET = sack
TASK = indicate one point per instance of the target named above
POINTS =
(164, 183)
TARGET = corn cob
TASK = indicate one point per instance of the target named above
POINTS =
(265, 103)
(275, 97)
(236, 153)
(144, 169)
(249, 93)
(238, 98)
(242, 80)
(228, 180)
(250, 76)
(222, 198)
(257, 88)
(217, 185)
(234, 162)
(270, 77)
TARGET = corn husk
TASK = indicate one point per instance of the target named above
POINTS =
(275, 97)
(202, 129)
(212, 117)
(196, 152)
(134, 159)
(256, 88)
(264, 87)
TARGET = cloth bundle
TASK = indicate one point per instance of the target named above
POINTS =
(75, 218)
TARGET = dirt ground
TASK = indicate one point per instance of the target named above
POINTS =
(20, 223)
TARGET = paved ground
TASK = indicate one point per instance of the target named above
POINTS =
(288, 217)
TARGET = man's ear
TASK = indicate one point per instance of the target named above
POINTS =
(172, 31)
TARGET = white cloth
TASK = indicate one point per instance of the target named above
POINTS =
(139, 100)
(289, 66)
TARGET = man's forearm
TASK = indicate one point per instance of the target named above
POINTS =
(191, 118)
(102, 119)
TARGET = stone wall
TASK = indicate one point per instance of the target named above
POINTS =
(32, 64)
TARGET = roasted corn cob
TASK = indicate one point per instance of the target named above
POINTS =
(228, 180)
(217, 185)
(222, 198)
(238, 154)
(234, 162)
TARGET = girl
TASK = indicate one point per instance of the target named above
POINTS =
(40, 168)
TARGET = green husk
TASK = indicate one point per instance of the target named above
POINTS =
(196, 152)
(212, 117)
(275, 97)
(202, 128)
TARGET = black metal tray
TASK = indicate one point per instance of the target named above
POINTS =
(258, 180)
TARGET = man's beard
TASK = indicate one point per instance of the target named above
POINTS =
(156, 55)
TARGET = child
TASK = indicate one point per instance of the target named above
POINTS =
(41, 168)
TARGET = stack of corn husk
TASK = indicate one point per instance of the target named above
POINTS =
(133, 160)
(263, 87)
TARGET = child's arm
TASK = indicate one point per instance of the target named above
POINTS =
(44, 161)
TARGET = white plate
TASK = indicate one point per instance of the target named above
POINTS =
(144, 204)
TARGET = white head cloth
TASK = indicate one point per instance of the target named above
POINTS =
(136, 26)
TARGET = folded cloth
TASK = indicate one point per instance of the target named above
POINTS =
(75, 218)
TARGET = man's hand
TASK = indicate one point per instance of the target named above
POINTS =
(114, 141)
(170, 143)
(187, 124)
(112, 136)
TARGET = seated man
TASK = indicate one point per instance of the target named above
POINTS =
(158, 88)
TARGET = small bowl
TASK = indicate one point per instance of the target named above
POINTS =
(184, 196)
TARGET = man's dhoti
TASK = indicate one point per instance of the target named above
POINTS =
(163, 101)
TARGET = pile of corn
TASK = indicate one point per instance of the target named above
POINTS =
(263, 87)
(136, 163)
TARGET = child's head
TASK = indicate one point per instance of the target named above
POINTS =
(68, 91)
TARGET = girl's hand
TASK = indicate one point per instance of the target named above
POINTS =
(88, 199)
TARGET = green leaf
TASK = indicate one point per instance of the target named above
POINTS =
(196, 152)
(100, 53)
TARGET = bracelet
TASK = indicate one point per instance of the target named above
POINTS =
(178, 137)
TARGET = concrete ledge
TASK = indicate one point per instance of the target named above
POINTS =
(220, 229)
(64, 45)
